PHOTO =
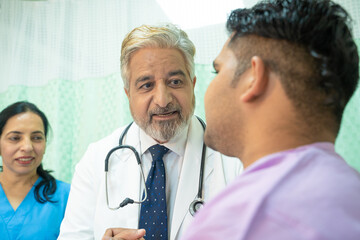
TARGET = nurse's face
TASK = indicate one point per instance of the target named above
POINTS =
(22, 144)
(161, 93)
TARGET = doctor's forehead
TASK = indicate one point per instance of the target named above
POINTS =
(148, 63)
(175, 73)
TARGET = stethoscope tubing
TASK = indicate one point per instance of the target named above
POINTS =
(194, 206)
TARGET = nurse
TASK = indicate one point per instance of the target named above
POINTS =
(32, 201)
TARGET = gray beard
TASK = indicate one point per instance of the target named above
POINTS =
(163, 131)
(166, 130)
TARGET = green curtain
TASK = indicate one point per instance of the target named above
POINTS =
(84, 111)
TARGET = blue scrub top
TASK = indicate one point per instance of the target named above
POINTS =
(33, 220)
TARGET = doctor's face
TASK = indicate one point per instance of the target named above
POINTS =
(161, 93)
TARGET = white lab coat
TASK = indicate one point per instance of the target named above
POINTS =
(87, 215)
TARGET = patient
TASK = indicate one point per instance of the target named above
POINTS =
(32, 201)
(283, 80)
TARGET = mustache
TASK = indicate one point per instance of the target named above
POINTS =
(168, 109)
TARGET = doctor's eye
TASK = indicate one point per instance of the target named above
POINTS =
(175, 82)
(146, 85)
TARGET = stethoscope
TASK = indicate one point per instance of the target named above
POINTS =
(194, 206)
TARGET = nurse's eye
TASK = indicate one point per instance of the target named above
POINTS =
(38, 138)
(14, 138)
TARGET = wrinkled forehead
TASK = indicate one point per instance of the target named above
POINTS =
(165, 60)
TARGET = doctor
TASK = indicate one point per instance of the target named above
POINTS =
(157, 65)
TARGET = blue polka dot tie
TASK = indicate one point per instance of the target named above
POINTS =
(153, 214)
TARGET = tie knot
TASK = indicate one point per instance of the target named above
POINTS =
(157, 152)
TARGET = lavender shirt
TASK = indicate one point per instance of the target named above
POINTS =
(304, 193)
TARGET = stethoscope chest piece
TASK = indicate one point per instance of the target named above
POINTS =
(195, 206)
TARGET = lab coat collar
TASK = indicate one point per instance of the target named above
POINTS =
(132, 139)
(189, 176)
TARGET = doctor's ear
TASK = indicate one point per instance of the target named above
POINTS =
(258, 80)
(194, 82)
(127, 92)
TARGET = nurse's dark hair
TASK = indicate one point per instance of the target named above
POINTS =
(47, 186)
(309, 44)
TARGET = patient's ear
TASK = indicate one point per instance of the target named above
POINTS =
(258, 80)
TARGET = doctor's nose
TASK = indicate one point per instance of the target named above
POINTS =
(162, 96)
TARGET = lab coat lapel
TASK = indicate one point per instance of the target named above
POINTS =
(189, 177)
(131, 183)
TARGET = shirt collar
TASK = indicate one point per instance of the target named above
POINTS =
(176, 144)
(266, 160)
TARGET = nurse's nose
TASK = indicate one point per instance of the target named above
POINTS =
(162, 95)
(26, 145)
